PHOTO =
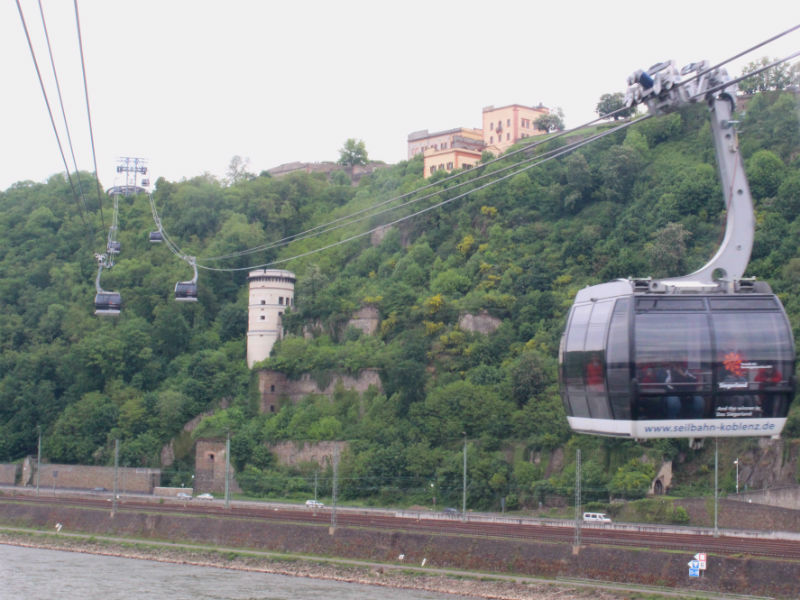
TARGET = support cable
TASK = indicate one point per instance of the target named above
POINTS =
(89, 115)
(49, 110)
(332, 225)
(369, 212)
(561, 152)
(61, 104)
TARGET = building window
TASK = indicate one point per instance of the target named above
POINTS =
(491, 139)
(491, 125)
(263, 302)
(262, 317)
(508, 122)
(271, 408)
(272, 388)
(211, 457)
(280, 300)
(433, 169)
(449, 166)
(508, 136)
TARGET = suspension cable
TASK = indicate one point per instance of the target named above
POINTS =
(561, 152)
(89, 115)
(50, 111)
(61, 104)
(742, 53)
(368, 212)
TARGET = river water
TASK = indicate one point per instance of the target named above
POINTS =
(39, 574)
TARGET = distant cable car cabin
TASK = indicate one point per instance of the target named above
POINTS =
(708, 354)
(107, 303)
(114, 247)
(186, 291)
(156, 237)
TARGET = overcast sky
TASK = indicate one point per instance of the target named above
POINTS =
(188, 84)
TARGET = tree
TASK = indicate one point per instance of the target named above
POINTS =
(237, 170)
(613, 105)
(354, 152)
(554, 121)
(775, 78)
(667, 251)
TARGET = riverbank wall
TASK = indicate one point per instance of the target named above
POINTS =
(524, 556)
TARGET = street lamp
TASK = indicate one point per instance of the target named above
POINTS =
(433, 493)
(736, 462)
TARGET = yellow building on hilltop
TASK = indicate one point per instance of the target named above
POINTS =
(462, 147)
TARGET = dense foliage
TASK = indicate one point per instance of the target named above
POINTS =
(643, 201)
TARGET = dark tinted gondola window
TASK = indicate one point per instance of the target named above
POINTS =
(574, 360)
(672, 341)
(619, 359)
(594, 360)
(743, 303)
(643, 304)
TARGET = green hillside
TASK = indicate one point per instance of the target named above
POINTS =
(642, 201)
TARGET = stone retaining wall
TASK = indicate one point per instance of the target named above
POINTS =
(532, 557)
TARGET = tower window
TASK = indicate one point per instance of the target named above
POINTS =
(263, 318)
(280, 300)
(263, 302)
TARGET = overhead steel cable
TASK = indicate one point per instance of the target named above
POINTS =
(435, 193)
(350, 218)
(562, 151)
(329, 226)
(61, 104)
(763, 68)
(89, 115)
(558, 152)
(49, 110)
(740, 54)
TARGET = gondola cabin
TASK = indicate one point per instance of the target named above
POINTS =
(107, 304)
(640, 360)
(114, 247)
(186, 291)
(156, 237)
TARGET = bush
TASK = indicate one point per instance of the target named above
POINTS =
(680, 516)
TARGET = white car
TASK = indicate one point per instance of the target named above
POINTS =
(183, 496)
(205, 497)
(314, 504)
(595, 518)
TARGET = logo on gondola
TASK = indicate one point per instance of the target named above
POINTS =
(733, 363)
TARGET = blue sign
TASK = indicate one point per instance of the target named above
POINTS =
(694, 572)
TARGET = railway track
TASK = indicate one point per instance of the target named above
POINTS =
(432, 523)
